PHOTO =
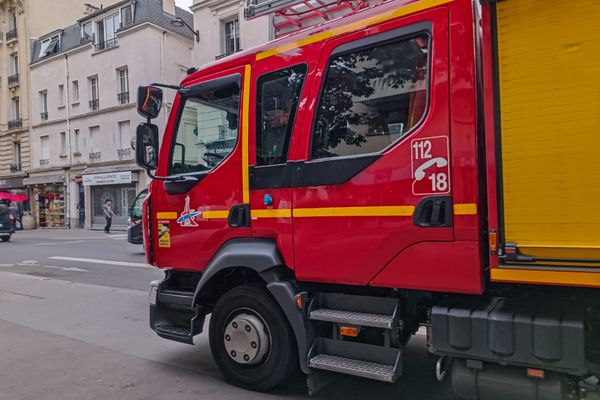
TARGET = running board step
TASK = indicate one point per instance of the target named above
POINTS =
(176, 333)
(377, 312)
(352, 318)
(363, 360)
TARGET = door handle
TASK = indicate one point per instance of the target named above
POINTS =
(434, 211)
(239, 216)
(180, 184)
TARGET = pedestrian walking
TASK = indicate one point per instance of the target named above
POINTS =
(108, 214)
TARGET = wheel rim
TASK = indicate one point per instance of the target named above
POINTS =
(246, 337)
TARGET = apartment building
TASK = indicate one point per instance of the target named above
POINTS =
(21, 20)
(84, 80)
(223, 30)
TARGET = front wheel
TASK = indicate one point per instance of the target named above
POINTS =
(5, 238)
(251, 339)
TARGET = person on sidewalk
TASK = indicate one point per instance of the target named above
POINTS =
(108, 214)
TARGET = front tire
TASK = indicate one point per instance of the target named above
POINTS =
(251, 340)
(5, 238)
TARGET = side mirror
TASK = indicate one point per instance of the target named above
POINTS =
(149, 101)
(146, 146)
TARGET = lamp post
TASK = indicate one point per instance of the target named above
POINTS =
(180, 23)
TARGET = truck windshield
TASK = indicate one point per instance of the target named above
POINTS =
(207, 130)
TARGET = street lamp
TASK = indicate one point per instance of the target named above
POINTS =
(180, 23)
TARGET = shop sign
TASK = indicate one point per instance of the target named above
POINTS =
(44, 179)
(10, 183)
(109, 178)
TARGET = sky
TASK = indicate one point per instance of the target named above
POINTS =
(185, 4)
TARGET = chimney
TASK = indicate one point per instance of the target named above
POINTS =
(169, 6)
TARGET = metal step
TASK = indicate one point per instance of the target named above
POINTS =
(177, 333)
(358, 359)
(353, 318)
(364, 369)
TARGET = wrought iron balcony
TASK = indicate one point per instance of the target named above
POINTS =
(16, 167)
(44, 162)
(107, 44)
(226, 54)
(12, 34)
(15, 123)
(95, 156)
(95, 104)
(44, 116)
(124, 154)
(13, 80)
(123, 97)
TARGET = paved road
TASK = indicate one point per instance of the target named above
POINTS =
(74, 325)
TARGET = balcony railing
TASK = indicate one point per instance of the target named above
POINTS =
(226, 54)
(95, 104)
(13, 80)
(123, 97)
(16, 167)
(12, 34)
(107, 44)
(124, 154)
(15, 123)
(95, 156)
(44, 116)
(44, 162)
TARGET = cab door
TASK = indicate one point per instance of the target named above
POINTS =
(376, 179)
(204, 152)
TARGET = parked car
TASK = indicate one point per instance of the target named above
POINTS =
(7, 226)
(135, 234)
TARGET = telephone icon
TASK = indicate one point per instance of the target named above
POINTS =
(438, 162)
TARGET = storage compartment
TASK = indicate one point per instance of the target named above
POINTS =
(549, 119)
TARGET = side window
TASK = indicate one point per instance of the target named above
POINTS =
(278, 95)
(207, 130)
(371, 98)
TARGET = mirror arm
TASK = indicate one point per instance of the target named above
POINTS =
(158, 178)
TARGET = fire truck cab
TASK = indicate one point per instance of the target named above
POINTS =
(325, 195)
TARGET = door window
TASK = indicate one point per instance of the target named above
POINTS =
(278, 96)
(371, 97)
(207, 131)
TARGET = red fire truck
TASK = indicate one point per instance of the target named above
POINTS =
(410, 164)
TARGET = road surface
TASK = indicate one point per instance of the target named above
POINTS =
(74, 326)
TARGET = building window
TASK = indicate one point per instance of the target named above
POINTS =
(44, 105)
(277, 102)
(124, 140)
(61, 95)
(16, 109)
(13, 78)
(75, 91)
(45, 151)
(87, 32)
(231, 36)
(76, 142)
(95, 153)
(371, 98)
(12, 26)
(106, 32)
(123, 85)
(94, 93)
(50, 46)
(16, 157)
(63, 144)
(126, 16)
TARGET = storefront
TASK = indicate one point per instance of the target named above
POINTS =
(16, 187)
(120, 187)
(48, 200)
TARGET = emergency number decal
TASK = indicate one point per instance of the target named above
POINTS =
(164, 234)
(430, 165)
